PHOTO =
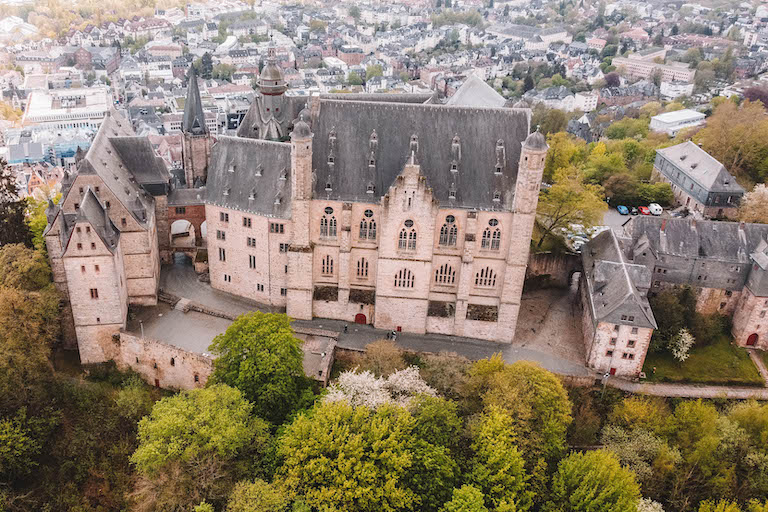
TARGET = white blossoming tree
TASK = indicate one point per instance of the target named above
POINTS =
(648, 505)
(365, 389)
(681, 345)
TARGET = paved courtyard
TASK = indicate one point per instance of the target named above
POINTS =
(547, 329)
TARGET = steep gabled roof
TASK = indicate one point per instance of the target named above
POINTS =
(476, 93)
(194, 117)
(92, 211)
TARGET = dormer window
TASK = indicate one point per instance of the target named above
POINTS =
(258, 171)
(694, 165)
(278, 199)
(232, 168)
(328, 186)
(372, 162)
(683, 157)
(498, 170)
(226, 191)
(497, 197)
(454, 167)
(330, 159)
(370, 189)
(283, 175)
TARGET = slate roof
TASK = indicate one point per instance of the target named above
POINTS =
(476, 93)
(385, 97)
(194, 117)
(701, 167)
(353, 122)
(250, 175)
(612, 283)
(92, 211)
(688, 238)
(140, 159)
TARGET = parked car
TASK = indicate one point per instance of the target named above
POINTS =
(655, 208)
(634, 211)
(644, 210)
(623, 209)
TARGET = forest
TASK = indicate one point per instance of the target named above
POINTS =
(393, 431)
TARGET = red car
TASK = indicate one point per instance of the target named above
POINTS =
(644, 210)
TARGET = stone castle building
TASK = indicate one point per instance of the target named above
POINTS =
(726, 263)
(378, 209)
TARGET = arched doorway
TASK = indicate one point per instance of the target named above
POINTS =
(182, 234)
(360, 319)
(752, 340)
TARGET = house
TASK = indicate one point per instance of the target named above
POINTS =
(672, 122)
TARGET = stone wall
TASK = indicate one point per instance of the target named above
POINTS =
(160, 364)
(547, 269)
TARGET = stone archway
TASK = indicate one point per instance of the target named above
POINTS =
(183, 235)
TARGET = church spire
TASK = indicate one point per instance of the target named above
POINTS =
(194, 118)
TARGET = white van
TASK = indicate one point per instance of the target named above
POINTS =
(655, 209)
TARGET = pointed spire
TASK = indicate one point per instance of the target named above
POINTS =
(194, 118)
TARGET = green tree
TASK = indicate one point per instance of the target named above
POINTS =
(19, 446)
(259, 355)
(593, 481)
(195, 445)
(570, 200)
(497, 467)
(13, 228)
(206, 66)
(564, 150)
(354, 12)
(37, 220)
(466, 499)
(223, 72)
(256, 496)
(354, 78)
(344, 458)
(719, 506)
(317, 26)
(372, 71)
(628, 128)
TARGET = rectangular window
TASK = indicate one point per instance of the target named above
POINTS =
(623, 317)
(96, 268)
(223, 217)
(616, 328)
(634, 330)
(631, 343)
(624, 355)
(97, 190)
(87, 229)
(221, 235)
(631, 318)
(274, 227)
(227, 278)
(283, 247)
(251, 242)
(259, 287)
(252, 261)
(631, 356)
(246, 222)
(82, 269)
(93, 245)
(123, 222)
(283, 291)
(181, 210)
(106, 203)
(286, 269)
(78, 229)
(222, 254)
(609, 353)
(79, 247)
(94, 293)
(613, 341)
(77, 206)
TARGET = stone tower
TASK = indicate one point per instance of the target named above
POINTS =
(299, 298)
(529, 174)
(196, 139)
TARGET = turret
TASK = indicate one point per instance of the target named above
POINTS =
(529, 173)
(301, 160)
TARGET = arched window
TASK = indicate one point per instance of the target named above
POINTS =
(404, 279)
(327, 265)
(486, 278)
(363, 229)
(445, 275)
(324, 226)
(402, 242)
(491, 239)
(372, 230)
(332, 227)
(449, 232)
(362, 267)
(412, 240)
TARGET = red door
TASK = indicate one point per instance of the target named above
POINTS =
(360, 319)
(752, 340)
(612, 371)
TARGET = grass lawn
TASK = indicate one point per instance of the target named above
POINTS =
(719, 363)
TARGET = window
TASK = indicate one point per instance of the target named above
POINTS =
(79, 247)
(625, 355)
(223, 217)
(327, 265)
(449, 231)
(283, 247)
(634, 330)
(491, 239)
(286, 269)
(246, 222)
(251, 242)
(412, 240)
(613, 341)
(221, 235)
(251, 261)
(624, 317)
(93, 245)
(78, 229)
(181, 210)
(283, 291)
(367, 229)
(616, 328)
(227, 278)
(762, 314)
(631, 343)
(106, 203)
(486, 278)
(274, 227)
(87, 229)
(609, 353)
(82, 269)
(77, 206)
(94, 293)
(404, 279)
(81, 190)
(445, 275)
(96, 268)
(631, 318)
(173, 362)
(259, 287)
(197, 378)
(362, 267)
(222, 254)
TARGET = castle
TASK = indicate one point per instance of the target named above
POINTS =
(388, 210)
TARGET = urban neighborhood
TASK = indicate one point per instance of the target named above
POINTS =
(404, 255)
